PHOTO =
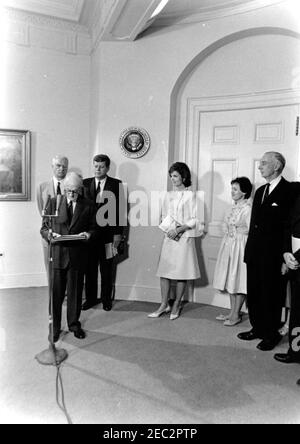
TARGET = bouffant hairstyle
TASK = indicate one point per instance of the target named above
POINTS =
(245, 185)
(184, 172)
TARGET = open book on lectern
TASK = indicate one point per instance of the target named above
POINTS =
(69, 237)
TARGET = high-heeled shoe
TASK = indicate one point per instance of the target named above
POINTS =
(230, 323)
(176, 315)
(222, 317)
(158, 313)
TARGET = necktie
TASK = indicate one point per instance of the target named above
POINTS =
(266, 192)
(58, 190)
(98, 193)
(98, 188)
(70, 212)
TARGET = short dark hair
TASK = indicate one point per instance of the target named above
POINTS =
(184, 172)
(102, 158)
(245, 185)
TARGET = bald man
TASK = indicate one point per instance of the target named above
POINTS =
(76, 215)
(52, 188)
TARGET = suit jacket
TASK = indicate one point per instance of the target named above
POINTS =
(266, 237)
(44, 190)
(112, 205)
(293, 225)
(72, 253)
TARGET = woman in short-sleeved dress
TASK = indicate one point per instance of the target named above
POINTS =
(230, 272)
(178, 258)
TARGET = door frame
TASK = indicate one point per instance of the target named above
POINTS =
(190, 154)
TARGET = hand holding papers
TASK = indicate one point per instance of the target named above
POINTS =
(168, 226)
(110, 251)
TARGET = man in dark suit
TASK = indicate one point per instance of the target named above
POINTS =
(266, 286)
(292, 260)
(76, 216)
(106, 192)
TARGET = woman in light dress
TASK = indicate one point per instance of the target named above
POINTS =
(230, 272)
(178, 258)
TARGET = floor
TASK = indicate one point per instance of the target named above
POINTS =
(131, 369)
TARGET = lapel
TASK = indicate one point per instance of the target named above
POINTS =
(107, 186)
(62, 209)
(49, 189)
(93, 189)
(277, 191)
(77, 212)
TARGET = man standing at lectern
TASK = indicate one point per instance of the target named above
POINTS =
(75, 216)
(52, 188)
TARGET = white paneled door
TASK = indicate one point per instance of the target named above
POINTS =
(230, 144)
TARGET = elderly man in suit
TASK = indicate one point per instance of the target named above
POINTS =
(266, 286)
(106, 193)
(292, 260)
(52, 188)
(76, 216)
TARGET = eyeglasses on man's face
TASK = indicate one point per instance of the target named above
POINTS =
(71, 191)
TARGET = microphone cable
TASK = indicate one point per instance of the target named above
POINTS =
(60, 389)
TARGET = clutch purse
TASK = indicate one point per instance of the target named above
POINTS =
(169, 223)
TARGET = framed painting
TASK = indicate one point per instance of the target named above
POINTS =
(14, 165)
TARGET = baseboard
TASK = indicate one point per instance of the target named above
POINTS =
(137, 293)
(23, 280)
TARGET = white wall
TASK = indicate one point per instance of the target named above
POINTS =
(265, 63)
(46, 92)
(132, 84)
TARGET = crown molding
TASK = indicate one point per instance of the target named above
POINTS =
(27, 29)
(41, 20)
(70, 10)
(212, 13)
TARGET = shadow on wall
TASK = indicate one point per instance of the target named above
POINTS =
(128, 172)
(215, 207)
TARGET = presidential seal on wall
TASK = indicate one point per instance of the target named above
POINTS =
(134, 142)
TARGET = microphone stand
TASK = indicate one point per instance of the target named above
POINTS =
(52, 355)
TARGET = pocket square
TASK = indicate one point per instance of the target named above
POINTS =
(274, 204)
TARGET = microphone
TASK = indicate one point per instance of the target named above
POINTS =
(58, 199)
(46, 205)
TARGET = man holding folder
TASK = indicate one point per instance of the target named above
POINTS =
(107, 194)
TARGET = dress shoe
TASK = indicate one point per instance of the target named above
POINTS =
(158, 313)
(248, 335)
(89, 304)
(107, 306)
(269, 344)
(79, 334)
(286, 358)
